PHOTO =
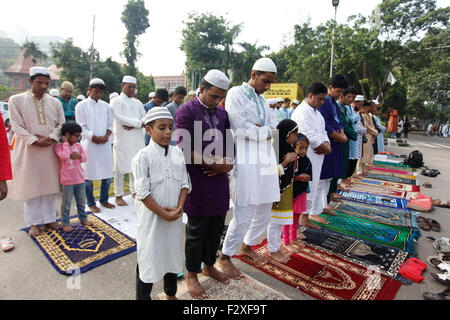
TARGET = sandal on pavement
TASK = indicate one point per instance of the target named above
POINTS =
(427, 184)
(434, 225)
(423, 224)
(7, 244)
(443, 278)
(444, 295)
(434, 261)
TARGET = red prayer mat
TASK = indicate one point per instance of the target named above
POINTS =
(327, 277)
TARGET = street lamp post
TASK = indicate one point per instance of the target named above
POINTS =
(335, 5)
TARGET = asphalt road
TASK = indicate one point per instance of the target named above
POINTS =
(25, 273)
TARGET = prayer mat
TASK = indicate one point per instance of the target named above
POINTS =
(392, 179)
(244, 289)
(373, 167)
(376, 190)
(84, 248)
(327, 277)
(384, 184)
(391, 216)
(97, 185)
(399, 237)
(395, 164)
(391, 174)
(371, 255)
(374, 199)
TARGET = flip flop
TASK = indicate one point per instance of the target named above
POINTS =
(423, 224)
(435, 226)
(7, 244)
(442, 278)
(427, 184)
(434, 261)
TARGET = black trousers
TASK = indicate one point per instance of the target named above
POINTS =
(203, 236)
(143, 290)
(351, 167)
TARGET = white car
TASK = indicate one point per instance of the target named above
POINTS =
(5, 113)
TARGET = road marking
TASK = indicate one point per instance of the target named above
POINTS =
(425, 145)
(441, 145)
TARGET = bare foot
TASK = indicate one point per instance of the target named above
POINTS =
(307, 223)
(329, 212)
(67, 228)
(256, 258)
(194, 287)
(300, 235)
(229, 269)
(291, 248)
(53, 225)
(319, 219)
(86, 223)
(285, 251)
(120, 202)
(108, 205)
(277, 256)
(34, 231)
(95, 209)
(211, 271)
(171, 298)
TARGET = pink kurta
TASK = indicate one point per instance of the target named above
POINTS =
(35, 169)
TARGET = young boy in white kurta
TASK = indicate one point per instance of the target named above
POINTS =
(161, 185)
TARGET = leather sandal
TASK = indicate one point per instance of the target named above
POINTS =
(423, 224)
(434, 225)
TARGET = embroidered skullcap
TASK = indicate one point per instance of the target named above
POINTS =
(296, 102)
(81, 97)
(360, 98)
(156, 113)
(279, 100)
(113, 95)
(54, 92)
(66, 85)
(129, 79)
(151, 94)
(218, 79)
(265, 65)
(39, 71)
(97, 82)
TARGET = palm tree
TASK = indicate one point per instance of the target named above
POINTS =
(32, 50)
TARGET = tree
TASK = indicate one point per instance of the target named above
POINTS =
(9, 50)
(207, 41)
(32, 50)
(244, 61)
(135, 18)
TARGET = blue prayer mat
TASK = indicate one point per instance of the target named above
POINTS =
(84, 248)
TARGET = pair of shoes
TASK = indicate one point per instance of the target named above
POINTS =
(430, 172)
(7, 244)
(444, 295)
(428, 224)
(436, 262)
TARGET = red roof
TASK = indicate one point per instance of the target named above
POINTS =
(21, 65)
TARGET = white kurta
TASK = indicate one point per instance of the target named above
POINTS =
(311, 123)
(256, 171)
(160, 246)
(95, 118)
(127, 112)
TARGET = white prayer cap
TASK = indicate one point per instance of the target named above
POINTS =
(359, 98)
(191, 93)
(129, 79)
(197, 91)
(54, 92)
(151, 94)
(218, 79)
(265, 65)
(279, 100)
(296, 102)
(42, 71)
(113, 95)
(156, 113)
(97, 82)
(81, 97)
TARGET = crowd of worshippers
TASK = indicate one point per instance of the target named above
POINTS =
(282, 166)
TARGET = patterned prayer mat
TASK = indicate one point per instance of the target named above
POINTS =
(391, 174)
(245, 289)
(371, 255)
(374, 199)
(328, 277)
(387, 235)
(396, 217)
(377, 190)
(392, 179)
(383, 184)
(84, 248)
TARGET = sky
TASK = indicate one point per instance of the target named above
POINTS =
(268, 22)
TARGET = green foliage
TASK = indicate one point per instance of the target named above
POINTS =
(5, 92)
(145, 85)
(32, 50)
(244, 60)
(9, 50)
(208, 41)
(135, 18)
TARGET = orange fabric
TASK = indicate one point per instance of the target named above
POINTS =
(393, 122)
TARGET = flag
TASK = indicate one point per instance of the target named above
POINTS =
(391, 79)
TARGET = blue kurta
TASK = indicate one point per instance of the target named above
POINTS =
(333, 166)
